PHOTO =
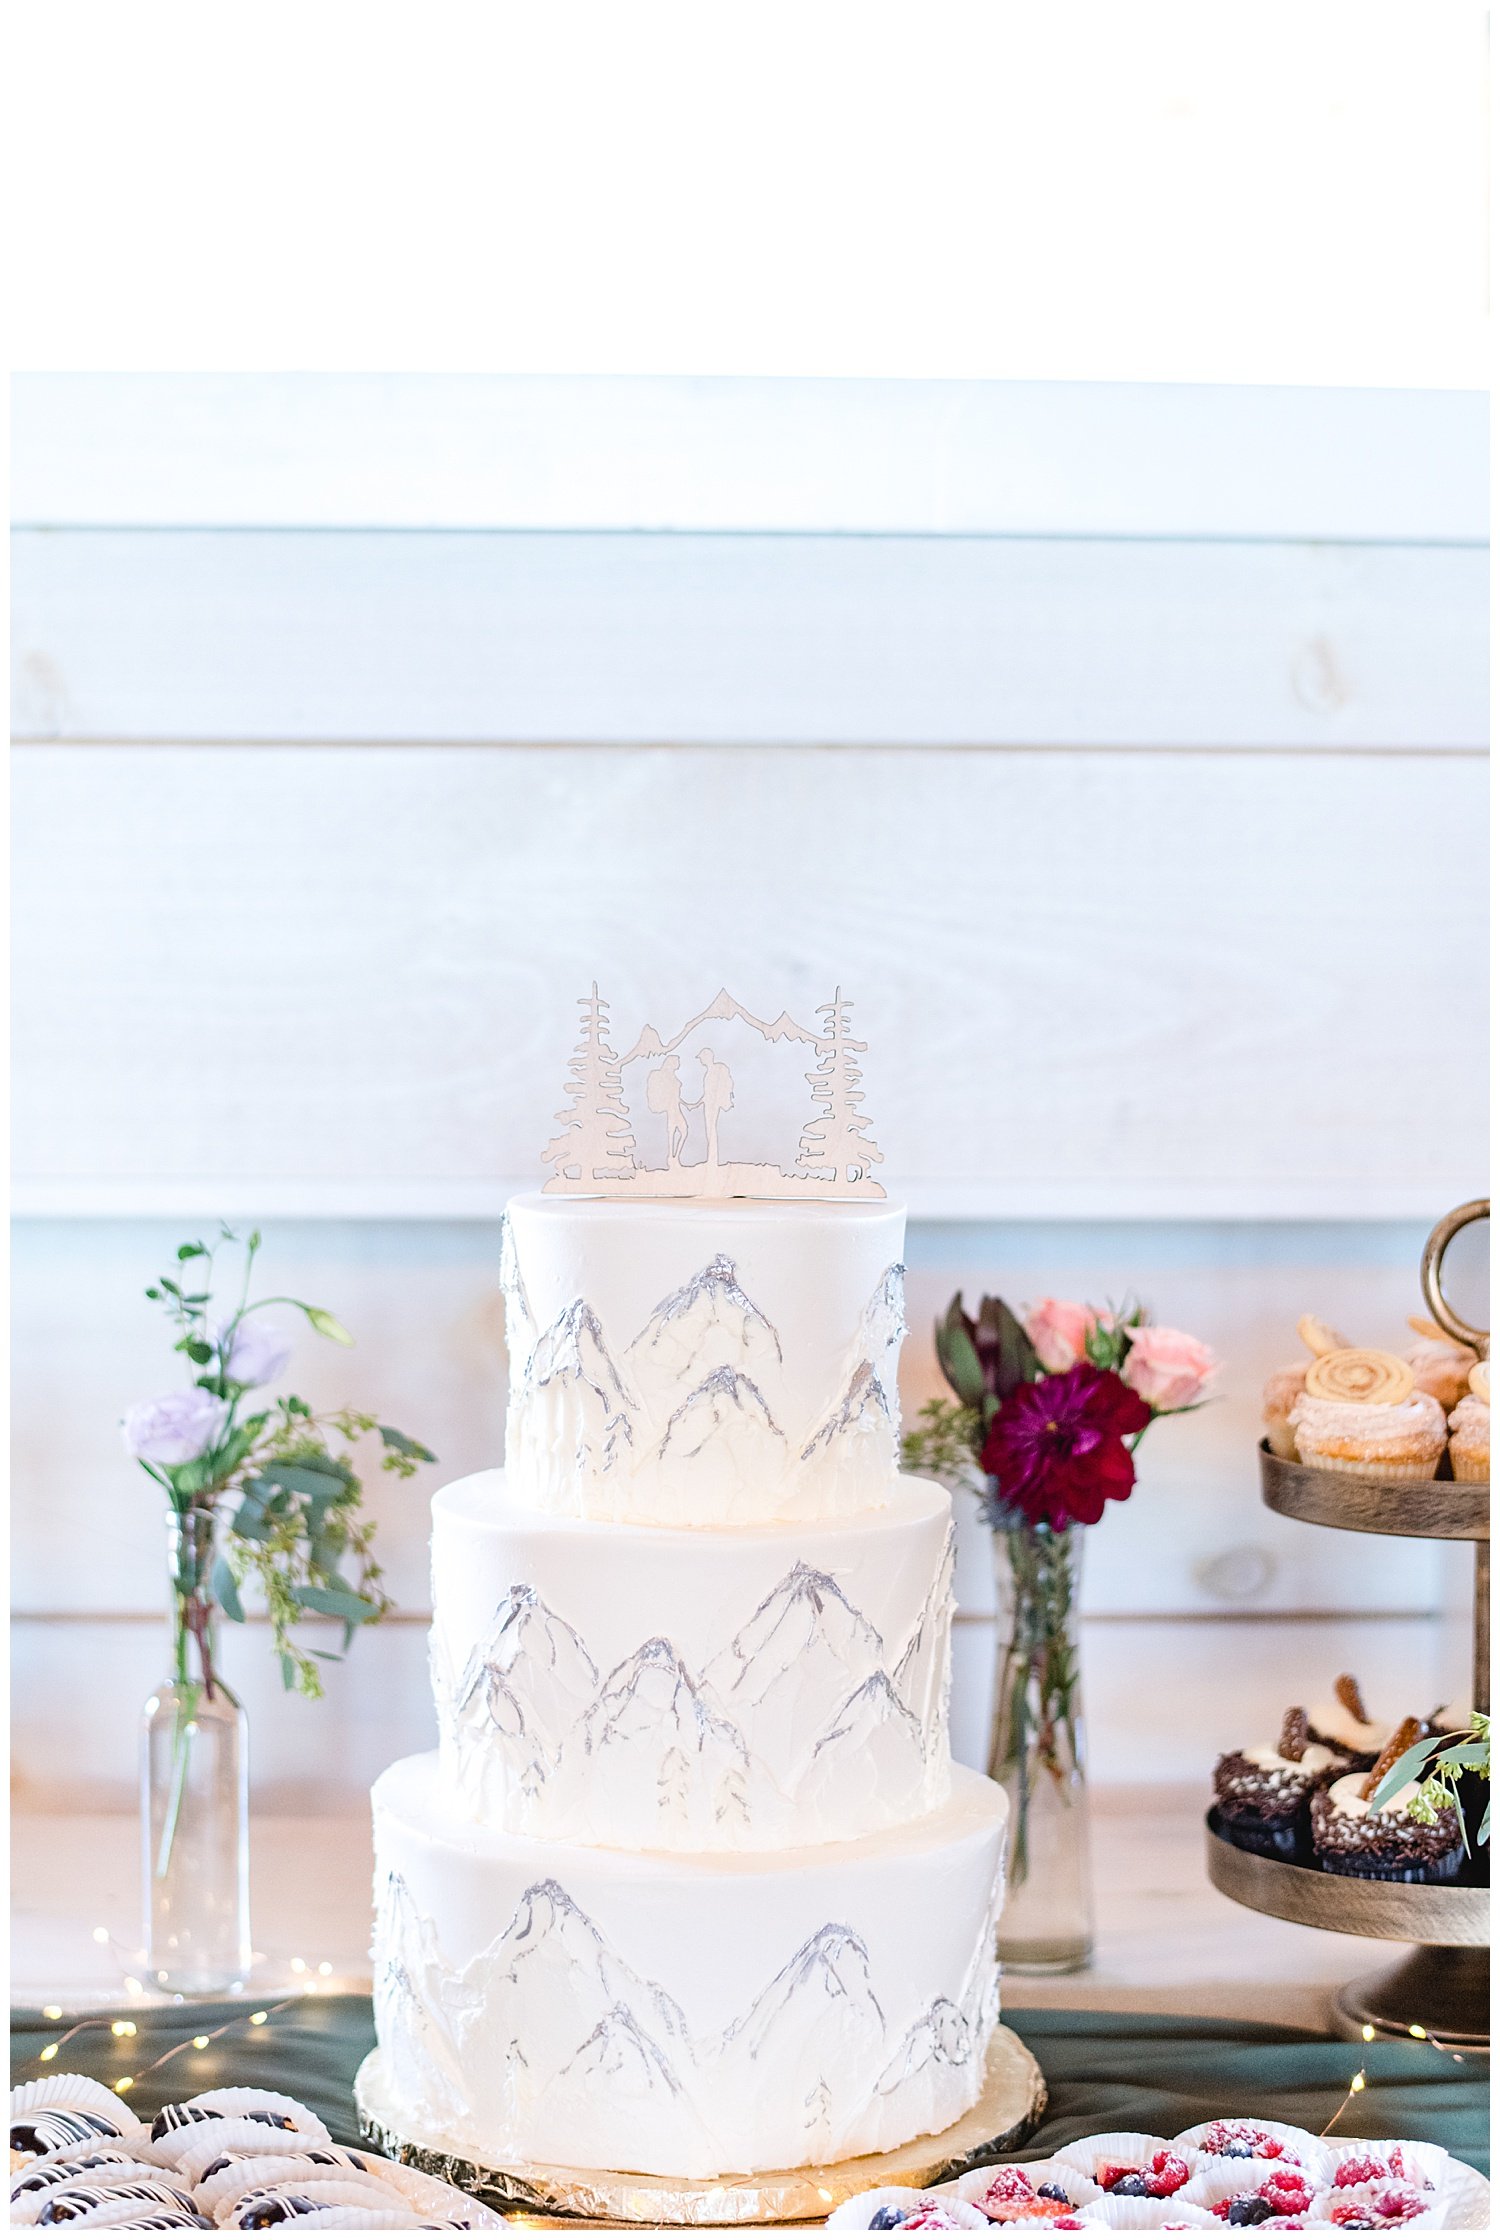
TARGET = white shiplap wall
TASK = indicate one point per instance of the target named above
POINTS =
(1120, 747)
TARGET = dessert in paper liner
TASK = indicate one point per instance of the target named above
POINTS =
(281, 2173)
(273, 2111)
(1288, 2189)
(53, 2113)
(1008, 2192)
(1250, 2139)
(892, 2209)
(1355, 2162)
(244, 2208)
(132, 2198)
(230, 2139)
(1114, 2159)
(108, 2164)
(1384, 2205)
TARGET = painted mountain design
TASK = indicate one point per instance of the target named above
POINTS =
(883, 1323)
(873, 1739)
(921, 1677)
(659, 1752)
(794, 1663)
(421, 2006)
(520, 1323)
(725, 1416)
(555, 1962)
(863, 1412)
(821, 2017)
(572, 1377)
(711, 1323)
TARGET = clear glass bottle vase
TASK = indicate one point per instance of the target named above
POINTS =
(1037, 1752)
(195, 1790)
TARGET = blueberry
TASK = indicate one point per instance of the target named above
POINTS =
(886, 2219)
(1133, 2184)
(1249, 2209)
(1052, 2193)
(1238, 2150)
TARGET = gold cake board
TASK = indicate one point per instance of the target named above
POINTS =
(1008, 2109)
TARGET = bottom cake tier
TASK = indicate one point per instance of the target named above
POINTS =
(682, 2015)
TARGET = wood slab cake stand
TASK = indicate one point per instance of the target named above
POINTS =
(1007, 2111)
(1442, 1986)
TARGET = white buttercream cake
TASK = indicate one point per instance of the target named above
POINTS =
(691, 1886)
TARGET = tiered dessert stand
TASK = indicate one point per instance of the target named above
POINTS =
(1441, 1987)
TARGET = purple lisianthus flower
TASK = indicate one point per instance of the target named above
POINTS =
(178, 1427)
(258, 1351)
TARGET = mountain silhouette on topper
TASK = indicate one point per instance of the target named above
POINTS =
(711, 1323)
(571, 1368)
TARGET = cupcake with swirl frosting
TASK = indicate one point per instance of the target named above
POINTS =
(1469, 1430)
(1362, 1413)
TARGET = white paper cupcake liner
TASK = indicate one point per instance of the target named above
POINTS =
(120, 2204)
(348, 2191)
(1303, 2150)
(1214, 2182)
(1054, 2171)
(352, 2220)
(854, 2215)
(244, 2100)
(1430, 2214)
(1415, 2162)
(267, 2173)
(1130, 2213)
(193, 2146)
(106, 2164)
(1133, 2150)
(70, 2091)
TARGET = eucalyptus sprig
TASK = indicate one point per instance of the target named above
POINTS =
(268, 1492)
(1439, 1762)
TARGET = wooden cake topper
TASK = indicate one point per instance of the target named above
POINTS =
(684, 1112)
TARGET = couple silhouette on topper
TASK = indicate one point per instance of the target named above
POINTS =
(664, 1095)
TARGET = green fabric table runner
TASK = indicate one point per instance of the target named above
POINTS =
(1105, 2072)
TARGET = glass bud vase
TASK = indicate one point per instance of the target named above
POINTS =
(1037, 1752)
(195, 1794)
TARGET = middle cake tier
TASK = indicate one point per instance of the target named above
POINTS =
(648, 1688)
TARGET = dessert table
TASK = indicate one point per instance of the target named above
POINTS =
(1193, 2009)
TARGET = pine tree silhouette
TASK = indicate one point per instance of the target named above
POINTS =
(838, 1138)
(596, 1143)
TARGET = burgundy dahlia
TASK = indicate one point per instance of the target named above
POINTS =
(1056, 1448)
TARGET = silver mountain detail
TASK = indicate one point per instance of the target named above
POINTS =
(551, 2010)
(883, 1323)
(520, 1323)
(711, 1410)
(572, 1369)
(864, 1409)
(661, 1751)
(921, 1674)
(710, 1323)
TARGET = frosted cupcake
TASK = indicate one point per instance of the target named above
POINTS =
(1469, 1430)
(1343, 1724)
(1385, 1843)
(1262, 1794)
(1285, 1387)
(1362, 1414)
(1439, 1364)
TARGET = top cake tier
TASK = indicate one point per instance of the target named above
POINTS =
(721, 1363)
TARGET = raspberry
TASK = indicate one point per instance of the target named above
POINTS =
(1009, 2185)
(1359, 2170)
(1241, 2142)
(1164, 2174)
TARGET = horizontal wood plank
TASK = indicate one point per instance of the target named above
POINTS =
(722, 640)
(491, 451)
(1093, 984)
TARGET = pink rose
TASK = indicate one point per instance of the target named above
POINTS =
(1059, 1330)
(1167, 1368)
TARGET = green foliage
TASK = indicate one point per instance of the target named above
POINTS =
(1439, 1762)
(277, 1502)
(945, 1444)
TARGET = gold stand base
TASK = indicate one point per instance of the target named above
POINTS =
(1440, 1989)
(1007, 2111)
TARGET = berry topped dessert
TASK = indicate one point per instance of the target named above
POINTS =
(1285, 2193)
(1263, 1794)
(1043, 2193)
(1246, 2142)
(1378, 2209)
(1153, 2181)
(1402, 1840)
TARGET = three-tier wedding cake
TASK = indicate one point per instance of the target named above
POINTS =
(692, 1885)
